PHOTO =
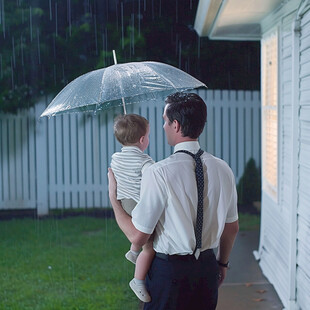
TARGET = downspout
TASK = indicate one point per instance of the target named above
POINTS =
(295, 155)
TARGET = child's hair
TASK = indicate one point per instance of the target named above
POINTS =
(129, 128)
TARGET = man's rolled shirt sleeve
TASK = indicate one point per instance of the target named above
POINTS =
(147, 212)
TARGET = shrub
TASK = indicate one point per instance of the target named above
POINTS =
(249, 186)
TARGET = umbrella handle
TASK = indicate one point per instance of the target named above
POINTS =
(124, 106)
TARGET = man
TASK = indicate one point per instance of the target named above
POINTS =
(179, 277)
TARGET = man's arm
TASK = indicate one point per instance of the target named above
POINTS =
(122, 218)
(226, 244)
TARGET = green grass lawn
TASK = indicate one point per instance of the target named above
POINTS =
(72, 263)
(249, 221)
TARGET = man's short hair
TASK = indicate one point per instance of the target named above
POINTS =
(189, 110)
(129, 128)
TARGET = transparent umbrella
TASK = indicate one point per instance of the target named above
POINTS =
(121, 84)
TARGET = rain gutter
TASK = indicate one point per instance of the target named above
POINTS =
(207, 13)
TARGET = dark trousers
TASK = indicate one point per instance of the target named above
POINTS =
(183, 284)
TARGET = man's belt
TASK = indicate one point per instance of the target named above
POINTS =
(187, 257)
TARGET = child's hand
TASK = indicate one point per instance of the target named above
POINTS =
(112, 185)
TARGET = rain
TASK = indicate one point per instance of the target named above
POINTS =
(51, 44)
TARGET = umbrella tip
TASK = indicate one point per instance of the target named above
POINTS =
(114, 57)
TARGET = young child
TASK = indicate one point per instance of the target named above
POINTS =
(132, 131)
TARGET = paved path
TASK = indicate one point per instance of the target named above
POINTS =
(245, 287)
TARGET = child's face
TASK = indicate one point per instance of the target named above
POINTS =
(146, 140)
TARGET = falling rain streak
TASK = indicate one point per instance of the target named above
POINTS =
(50, 8)
(69, 15)
(12, 73)
(96, 41)
(2, 17)
(30, 21)
(13, 52)
(22, 49)
(1, 70)
(122, 20)
(56, 20)
(38, 40)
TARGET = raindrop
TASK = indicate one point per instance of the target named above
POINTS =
(103, 48)
(190, 4)
(1, 72)
(55, 79)
(159, 8)
(22, 49)
(198, 53)
(54, 47)
(39, 53)
(63, 74)
(153, 15)
(133, 33)
(122, 19)
(56, 20)
(116, 14)
(13, 52)
(180, 54)
(144, 5)
(69, 15)
(3, 18)
(96, 41)
(176, 11)
(139, 18)
(12, 73)
(50, 7)
(30, 18)
(106, 40)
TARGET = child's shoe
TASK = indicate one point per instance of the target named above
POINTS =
(140, 291)
(131, 256)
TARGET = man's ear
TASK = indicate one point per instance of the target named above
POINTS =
(176, 126)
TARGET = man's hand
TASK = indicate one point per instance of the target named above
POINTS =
(222, 275)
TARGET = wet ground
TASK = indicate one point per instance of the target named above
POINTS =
(245, 287)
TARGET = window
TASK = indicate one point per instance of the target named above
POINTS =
(270, 113)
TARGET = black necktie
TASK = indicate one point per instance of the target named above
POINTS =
(200, 186)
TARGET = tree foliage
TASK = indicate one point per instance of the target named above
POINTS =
(46, 44)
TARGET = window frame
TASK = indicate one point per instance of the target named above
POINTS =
(270, 48)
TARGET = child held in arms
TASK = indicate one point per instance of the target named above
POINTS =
(132, 131)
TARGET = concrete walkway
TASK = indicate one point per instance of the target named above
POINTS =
(245, 287)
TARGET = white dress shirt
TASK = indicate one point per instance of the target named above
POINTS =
(168, 201)
(128, 166)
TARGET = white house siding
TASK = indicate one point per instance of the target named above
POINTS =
(303, 236)
(275, 230)
(285, 230)
(277, 252)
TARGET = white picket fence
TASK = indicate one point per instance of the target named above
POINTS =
(62, 162)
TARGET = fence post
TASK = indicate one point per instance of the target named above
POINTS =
(41, 160)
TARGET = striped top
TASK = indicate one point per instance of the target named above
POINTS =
(128, 166)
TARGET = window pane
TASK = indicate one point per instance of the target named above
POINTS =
(270, 113)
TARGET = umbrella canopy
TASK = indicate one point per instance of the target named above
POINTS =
(119, 84)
